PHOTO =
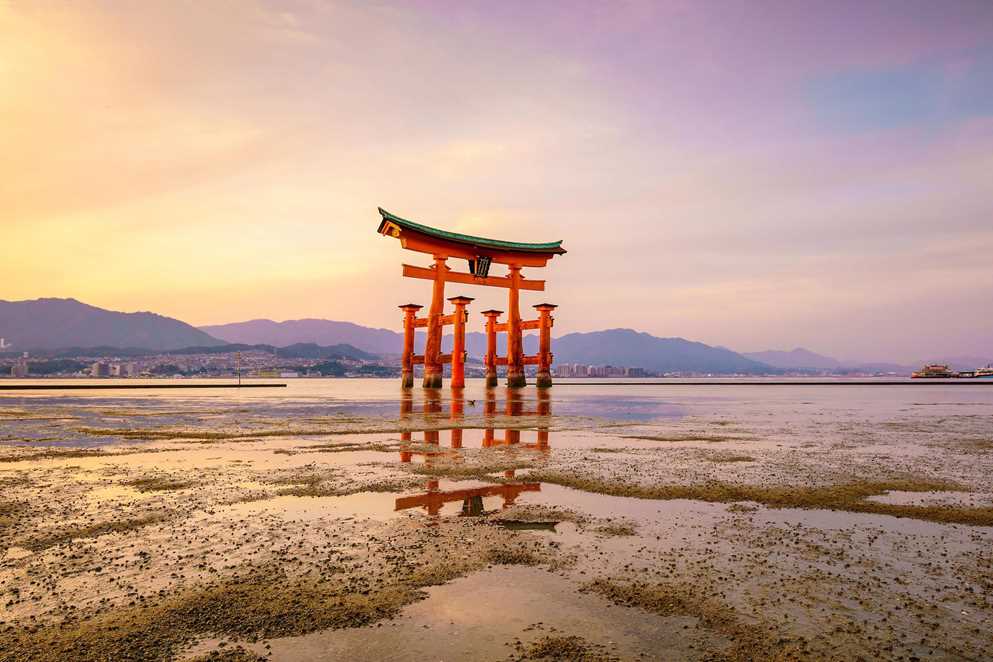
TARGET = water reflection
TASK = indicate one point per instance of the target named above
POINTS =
(497, 432)
(434, 498)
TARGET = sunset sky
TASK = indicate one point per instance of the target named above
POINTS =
(749, 174)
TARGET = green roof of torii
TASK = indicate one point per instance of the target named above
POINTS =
(546, 247)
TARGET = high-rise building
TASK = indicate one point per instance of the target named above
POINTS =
(99, 369)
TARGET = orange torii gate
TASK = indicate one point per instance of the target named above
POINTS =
(480, 253)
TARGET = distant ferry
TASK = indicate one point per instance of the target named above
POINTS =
(939, 371)
(934, 371)
(978, 373)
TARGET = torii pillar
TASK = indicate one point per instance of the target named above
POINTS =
(515, 344)
(407, 360)
(490, 360)
(545, 321)
(460, 317)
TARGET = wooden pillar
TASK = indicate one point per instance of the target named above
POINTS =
(514, 407)
(432, 405)
(458, 412)
(491, 344)
(544, 409)
(489, 411)
(406, 406)
(545, 321)
(407, 357)
(460, 317)
(432, 351)
(515, 349)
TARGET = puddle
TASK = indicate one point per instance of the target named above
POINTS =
(476, 617)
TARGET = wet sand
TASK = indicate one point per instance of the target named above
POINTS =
(339, 520)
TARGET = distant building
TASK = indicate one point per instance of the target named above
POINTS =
(100, 369)
(20, 369)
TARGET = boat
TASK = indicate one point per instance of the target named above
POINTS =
(982, 373)
(934, 371)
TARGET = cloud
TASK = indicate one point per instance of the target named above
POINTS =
(746, 176)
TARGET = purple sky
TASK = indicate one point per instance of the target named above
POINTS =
(750, 174)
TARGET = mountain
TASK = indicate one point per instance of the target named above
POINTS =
(618, 347)
(626, 347)
(47, 324)
(317, 331)
(798, 359)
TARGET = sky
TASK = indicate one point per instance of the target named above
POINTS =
(753, 175)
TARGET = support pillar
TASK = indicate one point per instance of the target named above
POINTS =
(491, 344)
(457, 413)
(544, 409)
(489, 411)
(407, 358)
(406, 406)
(515, 348)
(514, 407)
(460, 317)
(432, 350)
(545, 321)
(432, 405)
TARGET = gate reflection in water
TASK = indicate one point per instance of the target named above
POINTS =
(433, 499)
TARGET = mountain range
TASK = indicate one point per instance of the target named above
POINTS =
(319, 331)
(619, 347)
(48, 325)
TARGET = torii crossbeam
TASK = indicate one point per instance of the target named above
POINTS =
(480, 254)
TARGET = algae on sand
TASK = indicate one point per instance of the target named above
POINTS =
(851, 497)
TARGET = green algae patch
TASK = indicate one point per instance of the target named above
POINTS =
(749, 641)
(11, 513)
(261, 604)
(68, 534)
(850, 497)
(729, 458)
(316, 489)
(353, 448)
(235, 654)
(620, 529)
(709, 438)
(158, 484)
(50, 454)
(570, 648)
(513, 556)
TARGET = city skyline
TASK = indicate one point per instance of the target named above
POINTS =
(806, 176)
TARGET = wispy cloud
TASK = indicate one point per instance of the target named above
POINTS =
(753, 176)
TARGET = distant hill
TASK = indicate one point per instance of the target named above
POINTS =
(318, 331)
(48, 324)
(626, 347)
(797, 359)
(618, 347)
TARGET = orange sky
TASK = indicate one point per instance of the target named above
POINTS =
(223, 161)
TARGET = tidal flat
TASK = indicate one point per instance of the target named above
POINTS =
(341, 519)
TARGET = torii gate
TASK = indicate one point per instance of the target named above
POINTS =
(480, 253)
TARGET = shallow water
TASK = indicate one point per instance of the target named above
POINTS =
(130, 497)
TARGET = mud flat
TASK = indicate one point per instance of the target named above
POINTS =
(339, 520)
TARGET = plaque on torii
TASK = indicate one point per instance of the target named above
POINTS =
(480, 253)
